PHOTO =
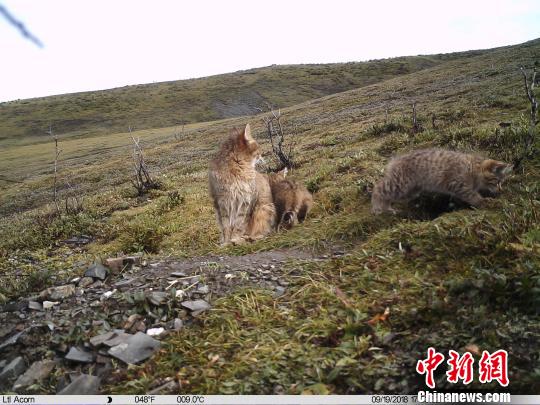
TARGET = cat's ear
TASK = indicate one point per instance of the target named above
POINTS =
(496, 167)
(247, 134)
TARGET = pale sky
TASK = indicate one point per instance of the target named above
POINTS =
(99, 44)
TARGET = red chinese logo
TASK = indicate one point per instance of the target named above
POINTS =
(491, 367)
(429, 365)
(461, 368)
(494, 367)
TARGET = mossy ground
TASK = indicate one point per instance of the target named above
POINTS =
(450, 277)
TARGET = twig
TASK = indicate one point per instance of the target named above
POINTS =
(529, 139)
(276, 135)
(57, 152)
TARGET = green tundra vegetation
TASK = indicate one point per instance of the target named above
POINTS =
(450, 277)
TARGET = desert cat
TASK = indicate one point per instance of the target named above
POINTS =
(292, 200)
(241, 195)
(437, 170)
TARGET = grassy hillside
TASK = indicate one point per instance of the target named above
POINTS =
(451, 277)
(197, 100)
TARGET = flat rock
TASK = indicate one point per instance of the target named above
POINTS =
(119, 337)
(138, 347)
(178, 274)
(124, 283)
(97, 270)
(11, 371)
(58, 293)
(111, 338)
(100, 339)
(11, 340)
(36, 306)
(80, 356)
(38, 371)
(158, 297)
(82, 385)
(196, 305)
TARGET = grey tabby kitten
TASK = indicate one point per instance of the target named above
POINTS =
(442, 171)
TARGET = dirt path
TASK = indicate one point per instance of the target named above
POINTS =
(68, 335)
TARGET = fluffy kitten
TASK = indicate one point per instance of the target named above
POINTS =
(442, 171)
(292, 200)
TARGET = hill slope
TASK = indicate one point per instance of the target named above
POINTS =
(197, 100)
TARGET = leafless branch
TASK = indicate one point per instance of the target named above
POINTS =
(179, 134)
(142, 181)
(57, 152)
(416, 126)
(276, 136)
(530, 137)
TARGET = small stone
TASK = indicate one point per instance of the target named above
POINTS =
(178, 274)
(108, 294)
(85, 282)
(178, 324)
(121, 263)
(155, 331)
(203, 289)
(14, 369)
(97, 284)
(36, 306)
(158, 297)
(138, 347)
(79, 355)
(279, 291)
(78, 240)
(115, 263)
(135, 323)
(167, 388)
(196, 305)
(82, 385)
(49, 304)
(38, 371)
(100, 339)
(97, 270)
(123, 283)
(58, 293)
(75, 280)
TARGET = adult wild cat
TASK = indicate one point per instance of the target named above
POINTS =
(457, 174)
(241, 195)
